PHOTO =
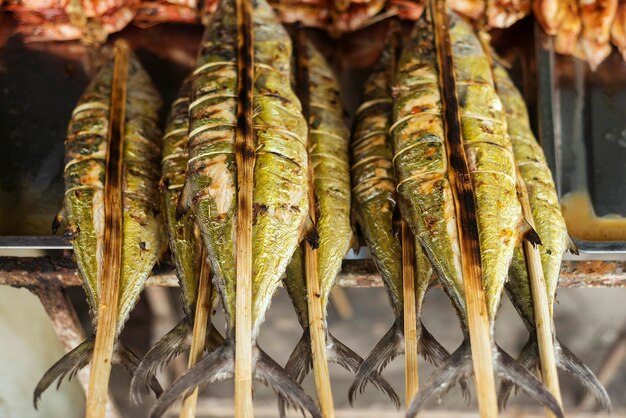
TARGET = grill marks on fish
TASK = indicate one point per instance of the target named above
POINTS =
(420, 160)
(142, 241)
(555, 240)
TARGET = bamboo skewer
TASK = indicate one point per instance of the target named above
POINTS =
(111, 269)
(478, 321)
(202, 319)
(410, 314)
(543, 321)
(245, 158)
(317, 329)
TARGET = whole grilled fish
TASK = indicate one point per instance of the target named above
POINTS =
(83, 207)
(280, 184)
(555, 240)
(328, 151)
(425, 190)
(184, 245)
(375, 197)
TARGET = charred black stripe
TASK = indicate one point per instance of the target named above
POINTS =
(458, 170)
(245, 72)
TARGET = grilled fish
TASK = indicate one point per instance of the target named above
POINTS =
(375, 197)
(597, 17)
(83, 207)
(184, 245)
(328, 151)
(569, 28)
(552, 230)
(547, 12)
(425, 192)
(280, 184)
(504, 13)
(618, 29)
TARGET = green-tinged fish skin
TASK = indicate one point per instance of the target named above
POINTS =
(280, 202)
(375, 200)
(490, 160)
(85, 161)
(185, 248)
(420, 161)
(550, 226)
(492, 170)
(328, 150)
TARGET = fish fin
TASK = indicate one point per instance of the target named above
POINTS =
(571, 245)
(298, 365)
(184, 201)
(167, 348)
(213, 339)
(507, 368)
(566, 360)
(342, 355)
(528, 359)
(268, 372)
(214, 367)
(70, 363)
(529, 234)
(130, 362)
(388, 348)
(436, 354)
(456, 367)
(58, 220)
(219, 365)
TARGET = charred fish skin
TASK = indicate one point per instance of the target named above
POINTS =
(210, 188)
(329, 141)
(552, 230)
(373, 179)
(490, 160)
(84, 173)
(180, 232)
(420, 160)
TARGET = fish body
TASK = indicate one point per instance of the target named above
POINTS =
(328, 153)
(421, 160)
(375, 199)
(552, 230)
(548, 14)
(279, 201)
(618, 29)
(83, 206)
(569, 28)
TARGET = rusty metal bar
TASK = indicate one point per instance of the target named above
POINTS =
(32, 272)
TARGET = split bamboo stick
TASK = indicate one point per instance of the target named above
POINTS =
(202, 319)
(411, 376)
(317, 329)
(245, 158)
(111, 270)
(543, 321)
(478, 320)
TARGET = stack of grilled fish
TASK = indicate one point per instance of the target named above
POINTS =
(399, 170)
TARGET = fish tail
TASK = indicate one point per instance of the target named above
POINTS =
(219, 365)
(298, 365)
(342, 355)
(167, 348)
(457, 367)
(130, 362)
(507, 368)
(528, 359)
(79, 357)
(70, 363)
(566, 360)
(389, 347)
(436, 354)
